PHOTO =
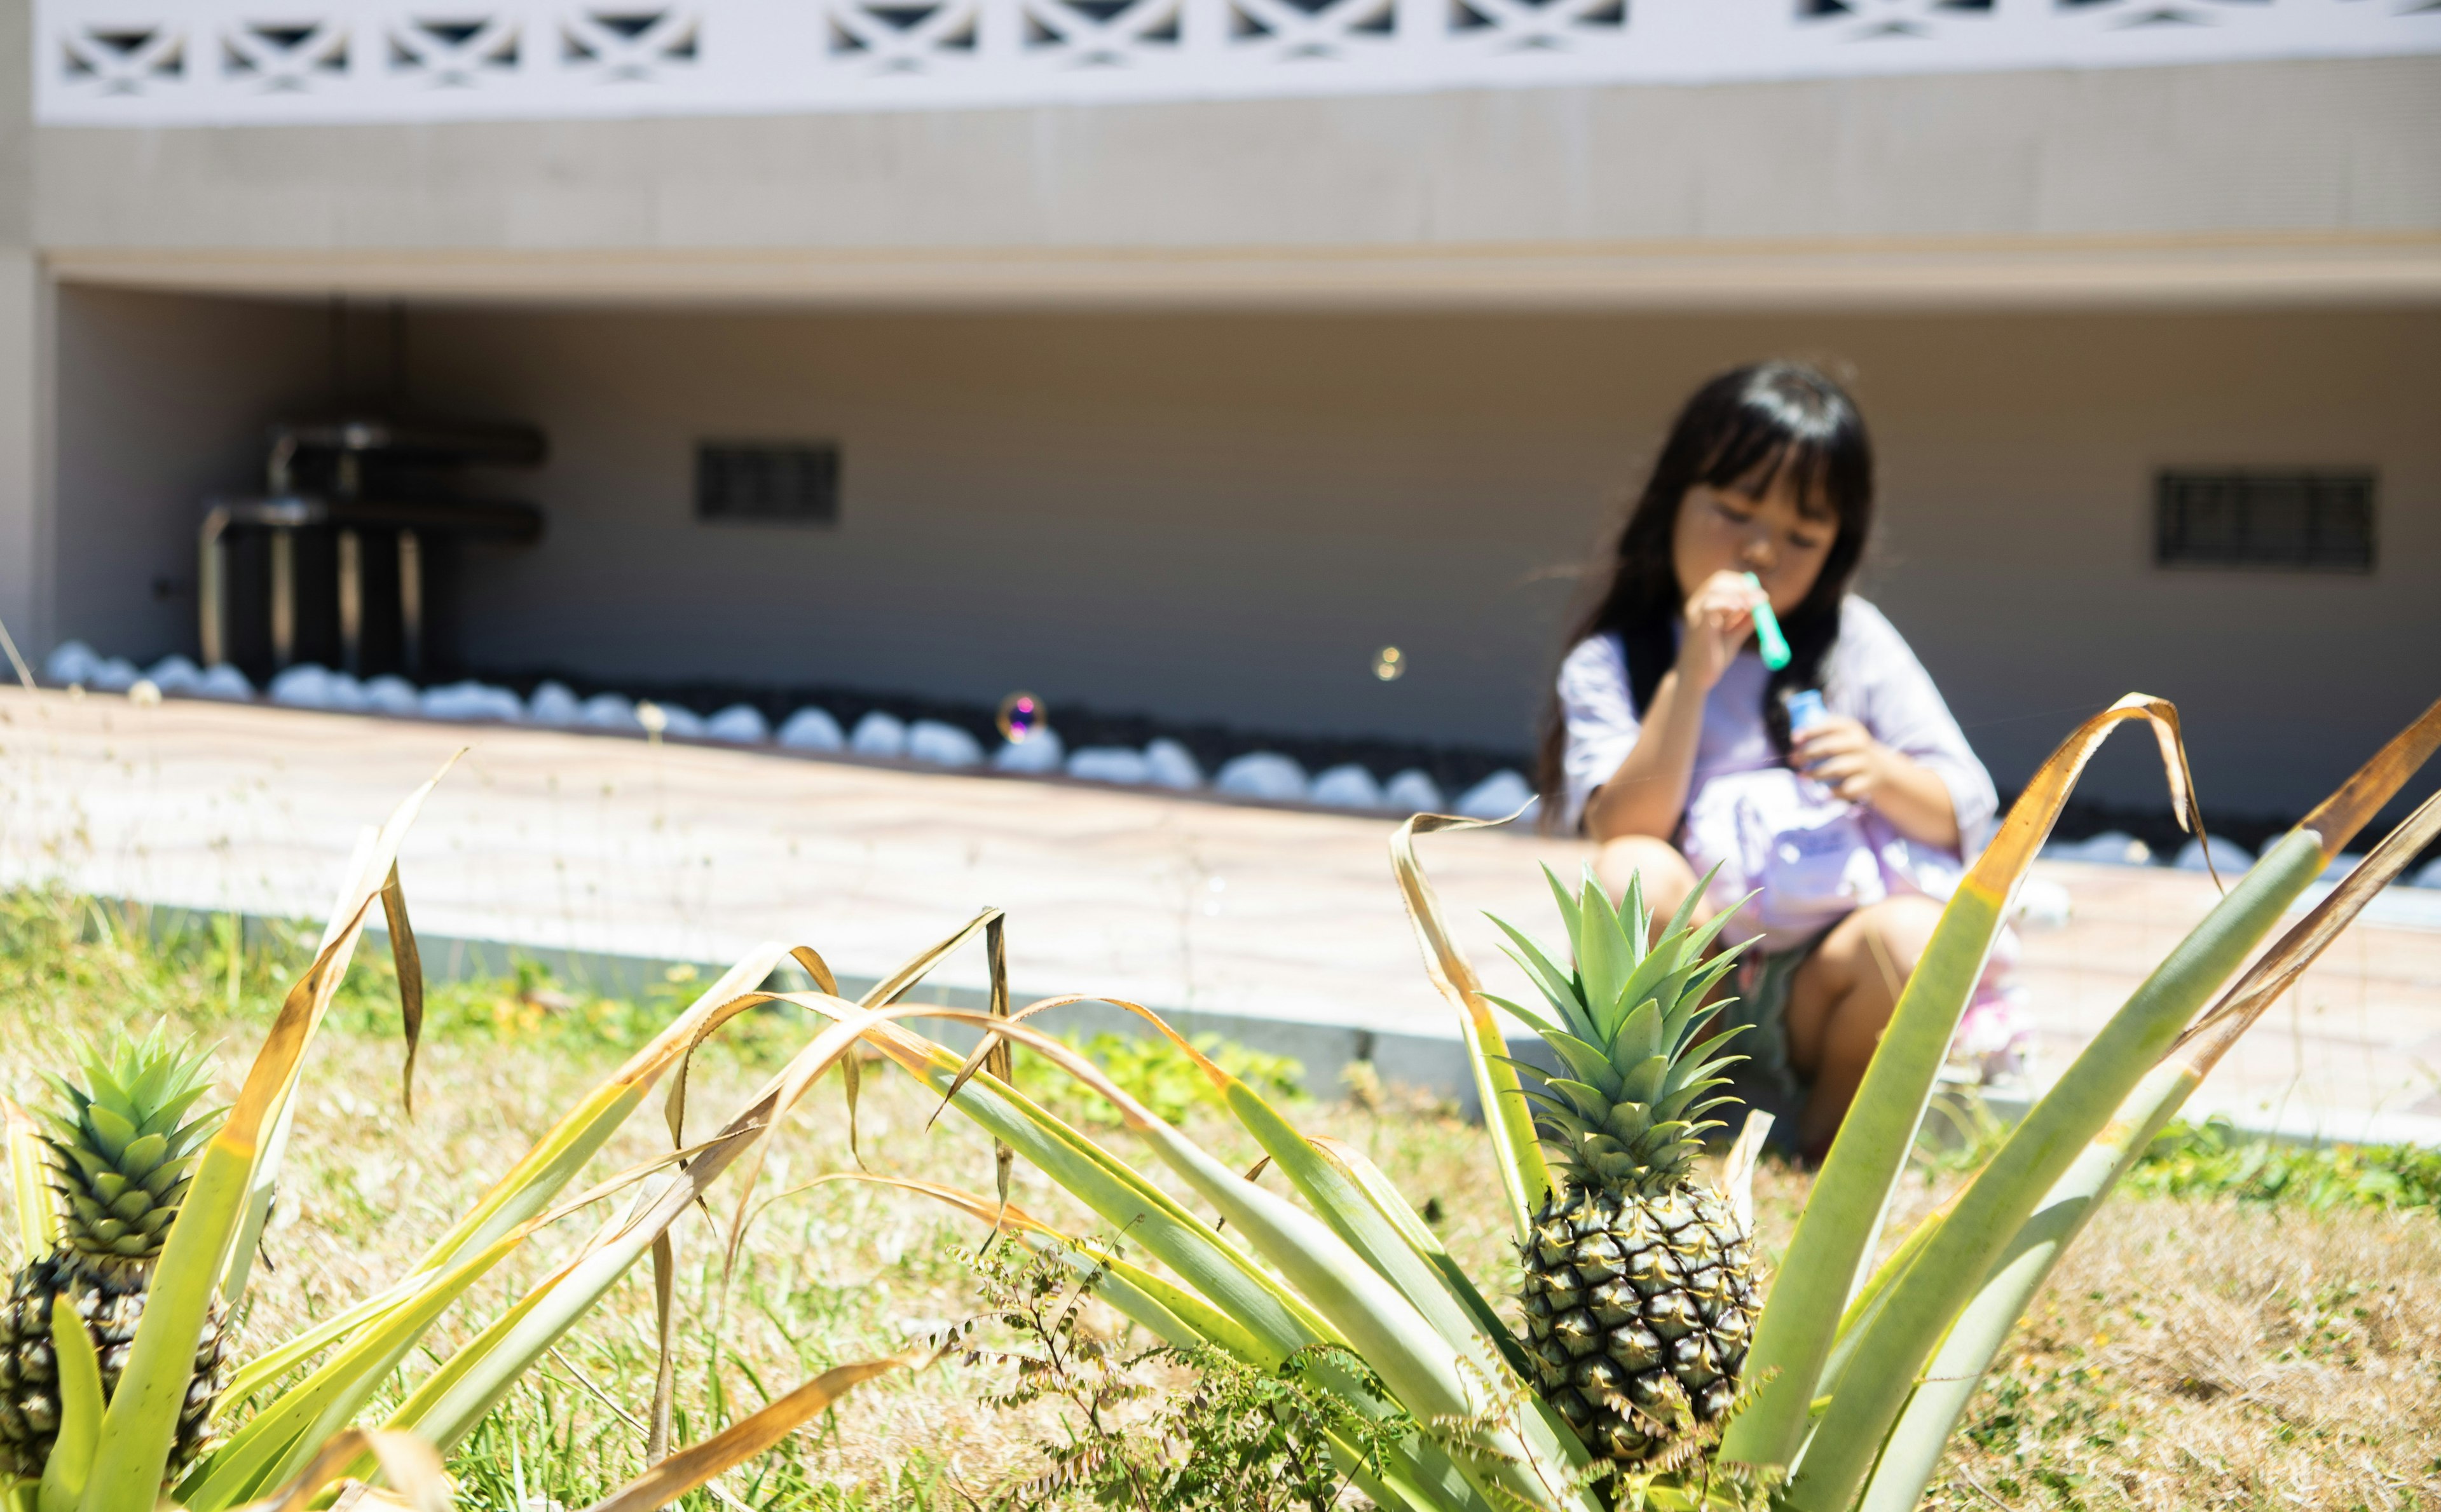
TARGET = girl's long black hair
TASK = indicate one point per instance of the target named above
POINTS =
(1742, 429)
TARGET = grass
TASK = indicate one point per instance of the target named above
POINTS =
(2224, 1338)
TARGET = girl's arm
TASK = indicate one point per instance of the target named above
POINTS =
(1910, 761)
(1647, 795)
(1843, 755)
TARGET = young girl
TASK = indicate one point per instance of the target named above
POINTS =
(1670, 742)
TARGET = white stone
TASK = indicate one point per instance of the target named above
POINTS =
(740, 725)
(681, 722)
(2232, 858)
(2429, 877)
(553, 703)
(114, 675)
(225, 681)
(1413, 791)
(1346, 785)
(392, 694)
(942, 744)
(1498, 795)
(608, 710)
(1264, 774)
(2109, 848)
(879, 734)
(1042, 752)
(1123, 765)
(347, 694)
(175, 675)
(2043, 904)
(71, 662)
(473, 700)
(307, 685)
(812, 729)
(1167, 763)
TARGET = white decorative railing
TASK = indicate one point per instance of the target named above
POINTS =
(215, 62)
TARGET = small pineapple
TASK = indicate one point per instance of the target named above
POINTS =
(120, 1162)
(1640, 1286)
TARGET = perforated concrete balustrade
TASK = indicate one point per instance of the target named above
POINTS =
(214, 61)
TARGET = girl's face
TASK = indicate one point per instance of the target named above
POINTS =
(1770, 535)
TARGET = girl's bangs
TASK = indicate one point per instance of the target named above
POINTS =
(1753, 458)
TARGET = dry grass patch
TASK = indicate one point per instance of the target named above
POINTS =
(2205, 1353)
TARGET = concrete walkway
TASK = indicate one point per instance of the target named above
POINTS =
(1233, 914)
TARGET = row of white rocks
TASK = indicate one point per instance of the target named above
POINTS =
(2116, 848)
(1164, 763)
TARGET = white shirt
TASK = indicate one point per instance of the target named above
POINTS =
(1870, 677)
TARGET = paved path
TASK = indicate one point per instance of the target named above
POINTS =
(552, 839)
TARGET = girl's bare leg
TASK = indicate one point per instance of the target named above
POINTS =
(1841, 1002)
(1668, 878)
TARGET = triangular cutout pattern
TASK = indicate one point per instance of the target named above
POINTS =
(1384, 22)
(629, 24)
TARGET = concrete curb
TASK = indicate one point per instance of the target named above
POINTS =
(1431, 1063)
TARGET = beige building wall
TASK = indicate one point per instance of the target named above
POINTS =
(1222, 516)
(26, 545)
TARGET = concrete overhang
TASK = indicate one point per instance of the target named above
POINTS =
(2203, 271)
(2250, 184)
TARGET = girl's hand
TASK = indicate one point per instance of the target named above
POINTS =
(1843, 756)
(1720, 617)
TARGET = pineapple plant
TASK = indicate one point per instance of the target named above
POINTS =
(138, 1217)
(1640, 1288)
(121, 1149)
(1651, 1373)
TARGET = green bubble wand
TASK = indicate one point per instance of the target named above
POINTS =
(1768, 640)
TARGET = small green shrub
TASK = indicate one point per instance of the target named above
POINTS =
(1156, 1073)
(2214, 1158)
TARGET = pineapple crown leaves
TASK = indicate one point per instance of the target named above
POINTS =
(120, 1155)
(1627, 1109)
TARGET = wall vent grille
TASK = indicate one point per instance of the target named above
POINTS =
(767, 482)
(2293, 521)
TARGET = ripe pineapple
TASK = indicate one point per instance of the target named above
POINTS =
(1639, 1290)
(120, 1162)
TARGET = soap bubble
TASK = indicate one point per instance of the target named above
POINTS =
(1020, 715)
(1389, 664)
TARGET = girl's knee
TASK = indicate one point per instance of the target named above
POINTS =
(1879, 945)
(1905, 925)
(1667, 876)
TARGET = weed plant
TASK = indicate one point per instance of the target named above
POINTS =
(1162, 1429)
